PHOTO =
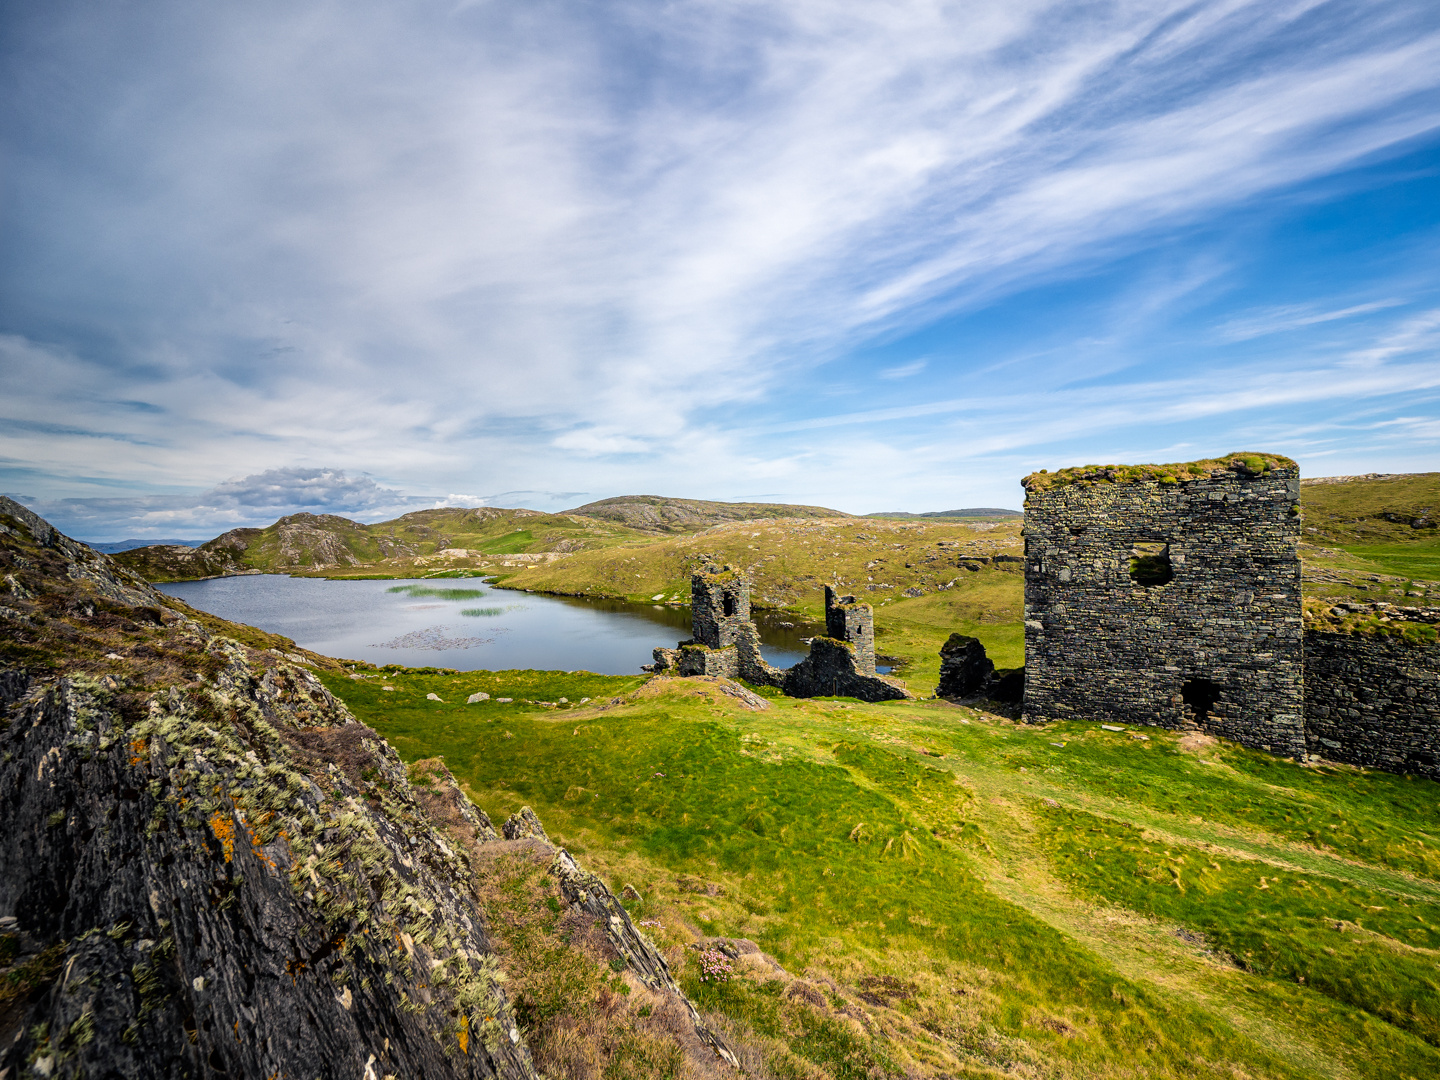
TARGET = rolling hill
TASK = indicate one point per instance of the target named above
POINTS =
(969, 512)
(659, 514)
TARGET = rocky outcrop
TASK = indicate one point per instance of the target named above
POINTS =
(311, 540)
(655, 513)
(208, 866)
(175, 562)
(966, 672)
(524, 825)
(586, 893)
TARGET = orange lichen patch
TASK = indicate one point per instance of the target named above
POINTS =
(463, 1036)
(139, 752)
(224, 830)
(257, 847)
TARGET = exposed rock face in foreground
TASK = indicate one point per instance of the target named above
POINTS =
(209, 865)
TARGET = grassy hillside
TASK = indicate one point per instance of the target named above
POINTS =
(1373, 537)
(1367, 511)
(657, 513)
(426, 540)
(951, 894)
(926, 579)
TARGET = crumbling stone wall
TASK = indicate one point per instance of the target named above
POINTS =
(966, 672)
(1168, 598)
(719, 606)
(726, 643)
(831, 670)
(1373, 701)
(846, 619)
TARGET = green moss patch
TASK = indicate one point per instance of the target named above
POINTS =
(1246, 464)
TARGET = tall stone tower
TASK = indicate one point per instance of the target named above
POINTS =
(719, 607)
(846, 619)
(1167, 595)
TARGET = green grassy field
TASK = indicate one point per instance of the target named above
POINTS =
(1417, 560)
(971, 896)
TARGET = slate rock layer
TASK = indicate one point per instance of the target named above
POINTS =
(208, 866)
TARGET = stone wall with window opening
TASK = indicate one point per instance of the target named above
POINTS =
(1168, 595)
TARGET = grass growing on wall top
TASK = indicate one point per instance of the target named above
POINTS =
(1245, 463)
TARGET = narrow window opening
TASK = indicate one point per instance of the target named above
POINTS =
(729, 604)
(1201, 695)
(1150, 564)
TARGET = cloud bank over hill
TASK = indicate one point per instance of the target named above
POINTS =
(242, 501)
(861, 254)
(257, 501)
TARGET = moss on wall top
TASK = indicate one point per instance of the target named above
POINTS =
(1371, 620)
(1246, 464)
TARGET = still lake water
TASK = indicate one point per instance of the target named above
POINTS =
(462, 624)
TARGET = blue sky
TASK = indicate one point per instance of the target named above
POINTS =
(365, 257)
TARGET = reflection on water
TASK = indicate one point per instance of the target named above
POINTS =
(382, 622)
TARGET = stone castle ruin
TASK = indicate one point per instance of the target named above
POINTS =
(1170, 596)
(726, 643)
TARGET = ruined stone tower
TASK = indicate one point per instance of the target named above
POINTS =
(719, 607)
(726, 643)
(1167, 595)
(846, 619)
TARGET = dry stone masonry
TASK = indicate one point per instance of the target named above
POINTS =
(727, 644)
(1372, 688)
(967, 673)
(1168, 595)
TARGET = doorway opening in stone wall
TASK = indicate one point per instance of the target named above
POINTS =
(1150, 563)
(729, 604)
(1201, 695)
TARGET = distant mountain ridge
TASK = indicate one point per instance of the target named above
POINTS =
(969, 512)
(661, 514)
(1364, 509)
(114, 547)
(304, 542)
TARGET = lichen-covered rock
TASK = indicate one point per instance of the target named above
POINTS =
(439, 793)
(587, 893)
(208, 866)
(524, 826)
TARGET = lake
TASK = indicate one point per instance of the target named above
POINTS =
(462, 623)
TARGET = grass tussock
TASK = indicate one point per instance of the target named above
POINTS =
(583, 1019)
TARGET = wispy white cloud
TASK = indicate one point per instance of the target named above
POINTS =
(476, 246)
(903, 371)
(1277, 320)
